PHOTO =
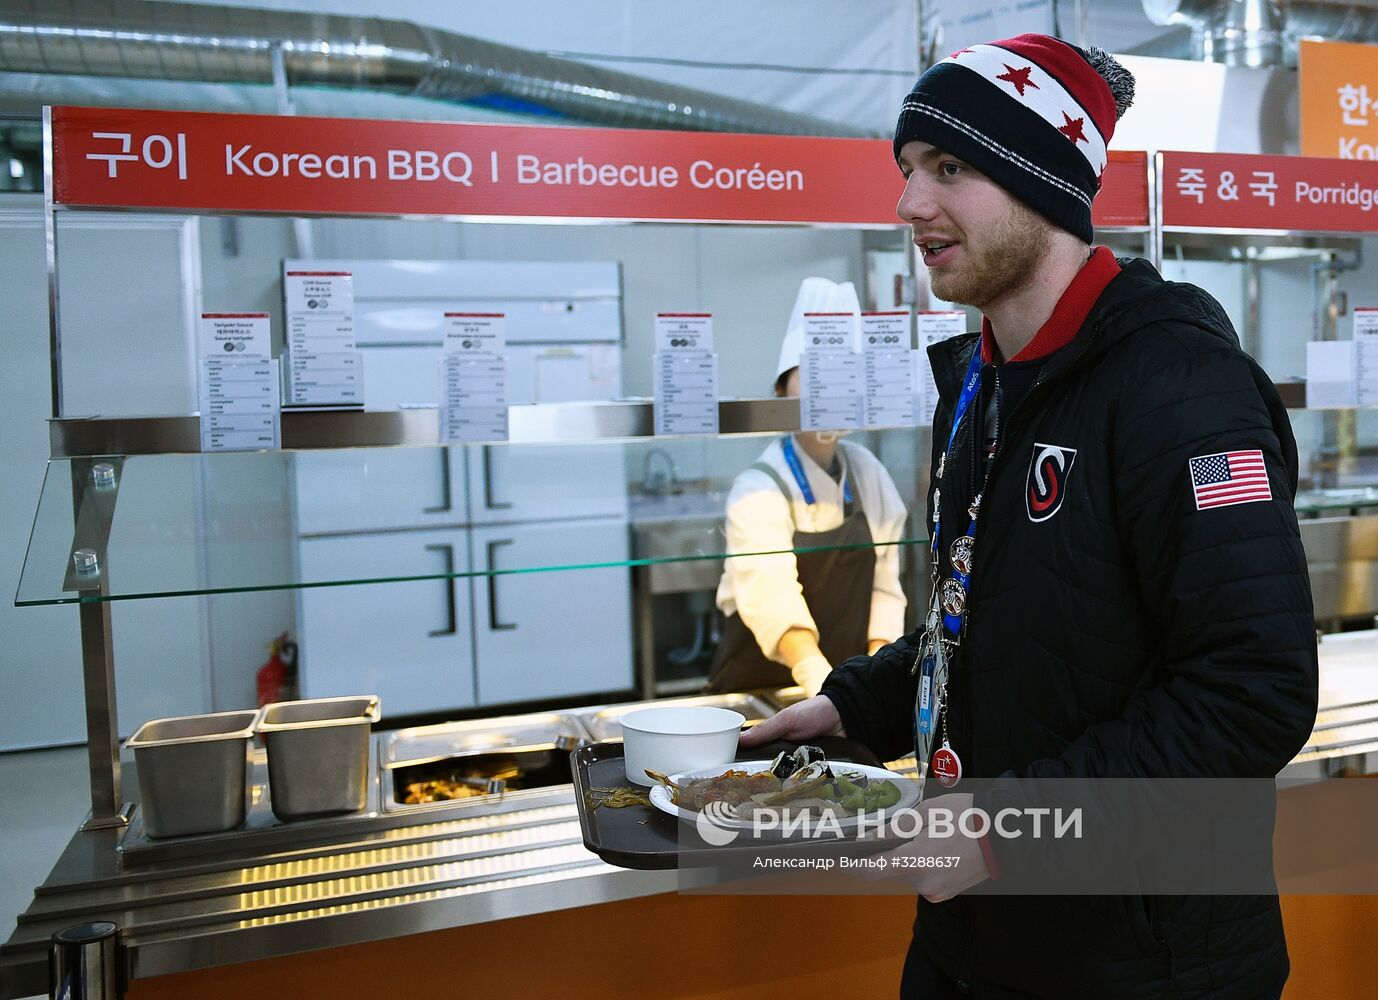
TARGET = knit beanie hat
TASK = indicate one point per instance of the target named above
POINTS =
(1032, 113)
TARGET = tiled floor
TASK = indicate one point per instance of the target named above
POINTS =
(44, 795)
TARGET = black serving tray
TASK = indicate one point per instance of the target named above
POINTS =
(643, 836)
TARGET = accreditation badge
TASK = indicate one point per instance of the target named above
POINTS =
(924, 714)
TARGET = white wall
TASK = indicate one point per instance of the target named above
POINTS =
(123, 350)
(40, 661)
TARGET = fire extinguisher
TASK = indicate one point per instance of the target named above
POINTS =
(277, 679)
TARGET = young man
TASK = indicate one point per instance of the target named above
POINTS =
(1120, 589)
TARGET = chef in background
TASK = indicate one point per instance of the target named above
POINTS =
(793, 615)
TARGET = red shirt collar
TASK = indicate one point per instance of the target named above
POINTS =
(1069, 313)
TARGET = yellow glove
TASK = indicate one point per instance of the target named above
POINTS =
(810, 673)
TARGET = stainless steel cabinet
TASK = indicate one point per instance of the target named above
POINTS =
(378, 489)
(552, 634)
(509, 483)
(529, 636)
(410, 643)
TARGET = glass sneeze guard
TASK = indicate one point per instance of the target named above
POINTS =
(189, 524)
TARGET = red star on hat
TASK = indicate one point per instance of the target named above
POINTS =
(1071, 128)
(1018, 78)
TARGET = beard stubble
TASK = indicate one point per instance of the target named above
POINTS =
(1006, 255)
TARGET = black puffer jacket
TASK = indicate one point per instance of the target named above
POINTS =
(1128, 634)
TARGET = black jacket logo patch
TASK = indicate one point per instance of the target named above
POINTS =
(1046, 485)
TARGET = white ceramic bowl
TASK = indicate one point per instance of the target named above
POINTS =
(674, 739)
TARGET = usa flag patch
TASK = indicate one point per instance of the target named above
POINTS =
(1228, 478)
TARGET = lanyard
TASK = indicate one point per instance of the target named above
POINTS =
(953, 591)
(792, 460)
(947, 612)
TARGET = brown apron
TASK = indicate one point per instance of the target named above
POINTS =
(837, 587)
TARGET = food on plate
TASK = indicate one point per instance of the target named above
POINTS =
(617, 797)
(788, 762)
(801, 780)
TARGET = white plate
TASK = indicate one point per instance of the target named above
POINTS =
(660, 795)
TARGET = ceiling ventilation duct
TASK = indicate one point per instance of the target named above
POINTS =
(136, 39)
(1259, 32)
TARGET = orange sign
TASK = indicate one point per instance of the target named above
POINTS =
(1339, 100)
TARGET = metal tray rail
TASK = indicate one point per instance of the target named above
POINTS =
(423, 744)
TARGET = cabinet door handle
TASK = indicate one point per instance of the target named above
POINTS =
(446, 497)
(488, 500)
(448, 551)
(493, 623)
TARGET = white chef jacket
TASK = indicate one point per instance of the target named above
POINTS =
(764, 590)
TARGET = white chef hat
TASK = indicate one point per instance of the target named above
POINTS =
(816, 295)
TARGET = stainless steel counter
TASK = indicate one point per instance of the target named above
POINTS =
(387, 874)
(1346, 732)
(369, 881)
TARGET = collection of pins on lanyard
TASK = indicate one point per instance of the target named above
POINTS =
(935, 649)
(946, 619)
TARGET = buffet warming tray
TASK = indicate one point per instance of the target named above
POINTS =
(477, 761)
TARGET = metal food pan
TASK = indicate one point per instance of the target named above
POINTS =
(508, 772)
(606, 724)
(192, 772)
(530, 753)
(318, 754)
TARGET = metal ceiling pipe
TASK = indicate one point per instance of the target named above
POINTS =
(1233, 32)
(137, 39)
(1258, 32)
(1340, 22)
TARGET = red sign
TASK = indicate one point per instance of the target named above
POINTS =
(106, 157)
(1123, 198)
(263, 163)
(1298, 193)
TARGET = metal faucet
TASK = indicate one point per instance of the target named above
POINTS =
(658, 484)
